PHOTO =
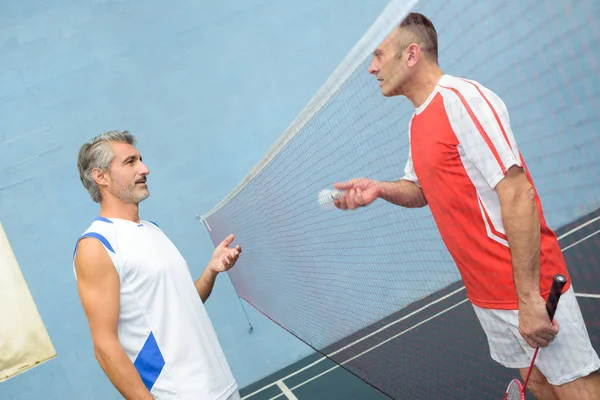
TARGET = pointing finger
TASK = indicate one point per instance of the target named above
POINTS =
(343, 185)
(227, 241)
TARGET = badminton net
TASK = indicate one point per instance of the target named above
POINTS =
(336, 279)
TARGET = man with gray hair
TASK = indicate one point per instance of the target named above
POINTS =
(150, 330)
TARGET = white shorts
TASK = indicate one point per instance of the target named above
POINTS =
(568, 357)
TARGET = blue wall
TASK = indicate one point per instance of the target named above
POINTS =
(207, 87)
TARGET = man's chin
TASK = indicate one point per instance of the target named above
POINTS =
(145, 196)
(141, 196)
(390, 93)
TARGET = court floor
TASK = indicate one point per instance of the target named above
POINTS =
(432, 357)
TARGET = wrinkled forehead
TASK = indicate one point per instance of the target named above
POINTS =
(123, 152)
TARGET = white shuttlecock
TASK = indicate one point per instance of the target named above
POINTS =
(326, 198)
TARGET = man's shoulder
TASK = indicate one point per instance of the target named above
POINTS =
(462, 94)
(150, 223)
(102, 226)
(467, 87)
(102, 229)
(451, 81)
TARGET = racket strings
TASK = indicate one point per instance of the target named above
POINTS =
(514, 391)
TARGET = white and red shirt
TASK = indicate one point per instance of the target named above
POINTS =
(461, 145)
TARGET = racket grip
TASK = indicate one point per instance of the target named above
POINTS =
(558, 283)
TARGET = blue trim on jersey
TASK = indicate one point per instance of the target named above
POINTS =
(154, 223)
(149, 362)
(95, 235)
(103, 219)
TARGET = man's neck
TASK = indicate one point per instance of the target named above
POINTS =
(129, 212)
(423, 85)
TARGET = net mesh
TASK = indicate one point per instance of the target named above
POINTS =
(375, 289)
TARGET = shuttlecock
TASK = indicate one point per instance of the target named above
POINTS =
(326, 198)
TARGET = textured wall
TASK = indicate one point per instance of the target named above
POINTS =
(206, 86)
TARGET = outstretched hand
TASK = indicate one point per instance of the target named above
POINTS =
(224, 257)
(358, 192)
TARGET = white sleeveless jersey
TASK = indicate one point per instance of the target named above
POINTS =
(163, 325)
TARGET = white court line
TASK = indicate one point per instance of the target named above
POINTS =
(564, 235)
(407, 330)
(376, 346)
(588, 295)
(357, 341)
(284, 378)
(580, 240)
(595, 296)
(286, 390)
(398, 320)
(307, 381)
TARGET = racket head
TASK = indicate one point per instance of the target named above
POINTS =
(515, 391)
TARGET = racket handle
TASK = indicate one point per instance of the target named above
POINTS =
(558, 283)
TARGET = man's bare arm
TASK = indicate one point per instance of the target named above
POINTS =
(522, 225)
(206, 282)
(223, 259)
(361, 192)
(98, 285)
(402, 193)
(520, 217)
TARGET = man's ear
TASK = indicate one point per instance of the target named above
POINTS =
(100, 177)
(414, 53)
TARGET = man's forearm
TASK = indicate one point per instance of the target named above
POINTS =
(121, 372)
(402, 193)
(522, 225)
(206, 282)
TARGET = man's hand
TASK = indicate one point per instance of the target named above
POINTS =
(358, 193)
(534, 323)
(361, 192)
(222, 260)
(223, 257)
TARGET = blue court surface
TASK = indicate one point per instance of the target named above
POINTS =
(435, 348)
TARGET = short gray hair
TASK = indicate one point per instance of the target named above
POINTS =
(98, 154)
